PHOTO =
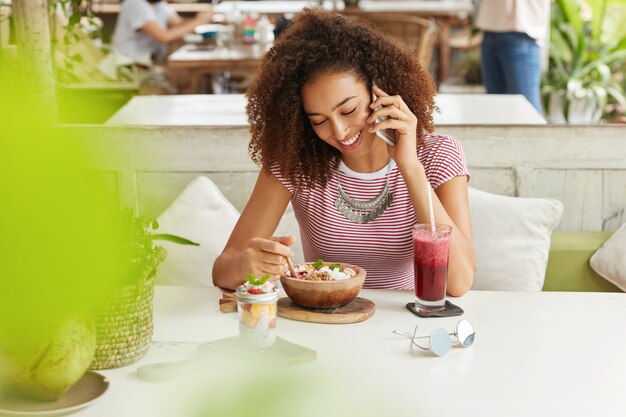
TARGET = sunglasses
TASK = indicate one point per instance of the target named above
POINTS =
(440, 341)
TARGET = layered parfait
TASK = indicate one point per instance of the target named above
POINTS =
(256, 306)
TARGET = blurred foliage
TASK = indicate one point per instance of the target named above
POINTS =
(587, 52)
(345, 389)
(62, 243)
(76, 39)
(142, 255)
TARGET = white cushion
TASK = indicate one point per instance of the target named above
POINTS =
(202, 214)
(610, 260)
(511, 240)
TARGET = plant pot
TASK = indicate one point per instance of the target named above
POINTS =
(582, 111)
(45, 361)
(124, 325)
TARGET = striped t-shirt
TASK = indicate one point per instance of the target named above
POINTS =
(384, 246)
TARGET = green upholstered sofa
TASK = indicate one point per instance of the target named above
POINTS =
(568, 264)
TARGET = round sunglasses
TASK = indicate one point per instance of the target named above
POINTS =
(440, 341)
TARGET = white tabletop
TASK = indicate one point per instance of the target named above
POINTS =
(190, 52)
(536, 354)
(229, 110)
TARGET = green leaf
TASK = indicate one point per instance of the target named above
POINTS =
(253, 280)
(597, 16)
(559, 47)
(155, 224)
(571, 13)
(318, 263)
(74, 19)
(571, 37)
(174, 239)
(77, 58)
(617, 95)
(333, 266)
(614, 23)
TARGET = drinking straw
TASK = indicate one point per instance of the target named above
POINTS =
(430, 207)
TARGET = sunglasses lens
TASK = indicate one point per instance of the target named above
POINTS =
(440, 342)
(465, 333)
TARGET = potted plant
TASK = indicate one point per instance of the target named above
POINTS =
(587, 51)
(124, 316)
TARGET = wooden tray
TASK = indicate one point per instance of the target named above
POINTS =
(358, 310)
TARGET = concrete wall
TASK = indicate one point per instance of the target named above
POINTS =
(582, 166)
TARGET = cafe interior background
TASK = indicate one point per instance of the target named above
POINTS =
(154, 144)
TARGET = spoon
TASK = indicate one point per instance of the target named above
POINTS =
(292, 270)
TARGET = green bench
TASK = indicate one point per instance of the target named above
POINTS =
(93, 103)
(568, 264)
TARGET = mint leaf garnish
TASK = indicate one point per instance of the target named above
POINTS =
(333, 266)
(253, 280)
(318, 263)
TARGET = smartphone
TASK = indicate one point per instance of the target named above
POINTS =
(383, 135)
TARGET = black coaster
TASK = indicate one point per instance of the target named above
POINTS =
(449, 310)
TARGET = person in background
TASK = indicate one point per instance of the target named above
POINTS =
(513, 31)
(283, 23)
(144, 28)
(313, 130)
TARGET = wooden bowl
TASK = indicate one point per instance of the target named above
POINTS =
(324, 294)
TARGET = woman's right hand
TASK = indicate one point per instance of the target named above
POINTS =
(268, 256)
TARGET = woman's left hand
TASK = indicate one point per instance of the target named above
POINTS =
(401, 120)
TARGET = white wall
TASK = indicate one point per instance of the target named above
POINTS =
(582, 166)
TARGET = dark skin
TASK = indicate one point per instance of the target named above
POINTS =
(341, 113)
(310, 108)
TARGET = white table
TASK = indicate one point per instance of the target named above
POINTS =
(229, 110)
(536, 354)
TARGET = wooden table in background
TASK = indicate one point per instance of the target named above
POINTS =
(447, 13)
(200, 61)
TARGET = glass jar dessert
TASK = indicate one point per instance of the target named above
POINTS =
(256, 306)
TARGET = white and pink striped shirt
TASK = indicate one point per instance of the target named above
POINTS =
(384, 246)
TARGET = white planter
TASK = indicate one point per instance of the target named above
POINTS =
(582, 111)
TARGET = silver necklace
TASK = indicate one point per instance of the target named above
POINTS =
(363, 211)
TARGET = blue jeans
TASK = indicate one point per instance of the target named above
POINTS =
(511, 64)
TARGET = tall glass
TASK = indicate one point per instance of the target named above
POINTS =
(431, 254)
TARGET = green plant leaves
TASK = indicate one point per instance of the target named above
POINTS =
(174, 239)
(253, 280)
(583, 59)
(142, 254)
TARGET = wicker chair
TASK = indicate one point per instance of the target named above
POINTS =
(417, 33)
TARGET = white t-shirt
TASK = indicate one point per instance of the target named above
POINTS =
(528, 16)
(128, 39)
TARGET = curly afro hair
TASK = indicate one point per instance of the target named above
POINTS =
(319, 42)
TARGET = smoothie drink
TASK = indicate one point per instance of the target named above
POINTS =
(431, 254)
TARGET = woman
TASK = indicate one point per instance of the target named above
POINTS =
(145, 27)
(314, 133)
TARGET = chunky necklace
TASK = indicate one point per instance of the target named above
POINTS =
(363, 211)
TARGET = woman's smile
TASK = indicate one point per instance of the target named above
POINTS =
(352, 142)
